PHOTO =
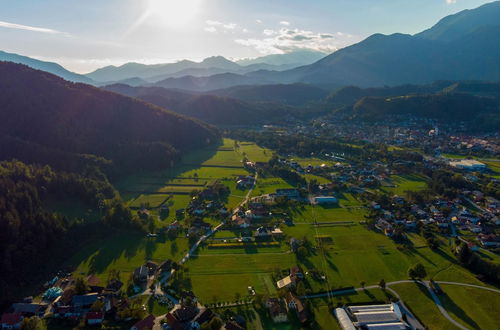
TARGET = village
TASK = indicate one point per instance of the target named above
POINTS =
(383, 199)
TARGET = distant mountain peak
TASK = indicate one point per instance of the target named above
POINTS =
(464, 22)
(50, 67)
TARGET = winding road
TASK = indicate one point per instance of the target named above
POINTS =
(435, 298)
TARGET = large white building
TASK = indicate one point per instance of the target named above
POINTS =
(468, 164)
(325, 200)
(380, 317)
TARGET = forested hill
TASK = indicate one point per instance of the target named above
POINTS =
(217, 110)
(47, 117)
(482, 112)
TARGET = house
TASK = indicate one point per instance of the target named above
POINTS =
(488, 240)
(296, 273)
(233, 325)
(84, 301)
(277, 311)
(94, 318)
(28, 310)
(262, 232)
(145, 324)
(188, 316)
(276, 232)
(113, 286)
(325, 200)
(294, 303)
(241, 222)
(11, 320)
(285, 282)
(442, 223)
(473, 247)
(478, 195)
(66, 312)
(475, 229)
(375, 205)
(141, 274)
(492, 203)
(143, 213)
(289, 192)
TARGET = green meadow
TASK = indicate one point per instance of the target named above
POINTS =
(403, 183)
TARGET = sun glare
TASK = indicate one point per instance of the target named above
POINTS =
(173, 12)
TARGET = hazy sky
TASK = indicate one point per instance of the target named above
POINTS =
(86, 34)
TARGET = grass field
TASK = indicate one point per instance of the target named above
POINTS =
(349, 208)
(269, 185)
(404, 183)
(473, 308)
(254, 152)
(418, 299)
(124, 252)
(236, 272)
(195, 171)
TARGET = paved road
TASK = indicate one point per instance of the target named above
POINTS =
(213, 231)
(440, 306)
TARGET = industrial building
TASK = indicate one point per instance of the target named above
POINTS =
(380, 317)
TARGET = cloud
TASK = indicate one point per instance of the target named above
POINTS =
(287, 40)
(229, 26)
(258, 21)
(285, 23)
(30, 28)
(225, 27)
(450, 2)
(210, 22)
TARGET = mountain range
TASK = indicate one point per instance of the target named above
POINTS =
(51, 67)
(209, 66)
(463, 46)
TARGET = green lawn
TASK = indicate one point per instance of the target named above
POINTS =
(255, 153)
(269, 185)
(417, 298)
(320, 179)
(474, 308)
(224, 275)
(124, 252)
(403, 183)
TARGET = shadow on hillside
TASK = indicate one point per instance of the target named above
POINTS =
(125, 244)
(134, 184)
(450, 306)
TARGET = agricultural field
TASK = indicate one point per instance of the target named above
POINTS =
(403, 183)
(254, 152)
(124, 252)
(172, 187)
(237, 271)
(349, 208)
(269, 185)
(494, 166)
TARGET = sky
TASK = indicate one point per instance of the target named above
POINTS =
(83, 35)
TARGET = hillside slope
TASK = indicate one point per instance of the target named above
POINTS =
(40, 109)
(209, 108)
(50, 67)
